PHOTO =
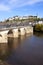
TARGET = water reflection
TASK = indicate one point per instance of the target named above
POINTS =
(3, 50)
(38, 34)
(25, 50)
(13, 43)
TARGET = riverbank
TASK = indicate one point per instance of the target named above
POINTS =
(38, 28)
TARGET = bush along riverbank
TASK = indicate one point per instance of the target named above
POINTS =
(38, 28)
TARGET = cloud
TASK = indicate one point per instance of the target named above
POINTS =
(34, 1)
(21, 3)
(4, 7)
(7, 5)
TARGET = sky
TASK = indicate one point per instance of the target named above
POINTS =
(10, 8)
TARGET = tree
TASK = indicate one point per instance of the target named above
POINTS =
(7, 20)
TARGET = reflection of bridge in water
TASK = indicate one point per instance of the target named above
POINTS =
(14, 32)
(13, 43)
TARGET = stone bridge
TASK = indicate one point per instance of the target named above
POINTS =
(14, 32)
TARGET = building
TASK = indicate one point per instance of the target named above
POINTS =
(32, 16)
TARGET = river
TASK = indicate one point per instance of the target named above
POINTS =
(26, 50)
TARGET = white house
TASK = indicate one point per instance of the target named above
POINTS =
(40, 22)
(25, 17)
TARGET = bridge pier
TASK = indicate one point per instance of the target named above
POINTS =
(22, 31)
(28, 29)
(18, 31)
(15, 33)
(3, 36)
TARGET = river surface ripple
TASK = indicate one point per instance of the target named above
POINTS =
(26, 50)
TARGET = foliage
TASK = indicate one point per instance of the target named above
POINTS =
(39, 27)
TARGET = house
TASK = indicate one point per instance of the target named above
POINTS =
(40, 22)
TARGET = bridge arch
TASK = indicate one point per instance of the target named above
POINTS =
(19, 31)
(0, 35)
(10, 31)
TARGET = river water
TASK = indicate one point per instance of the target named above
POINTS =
(26, 50)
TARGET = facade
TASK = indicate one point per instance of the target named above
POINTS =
(40, 22)
(32, 16)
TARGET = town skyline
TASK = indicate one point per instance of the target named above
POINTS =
(10, 8)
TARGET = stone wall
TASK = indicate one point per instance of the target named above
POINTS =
(28, 29)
